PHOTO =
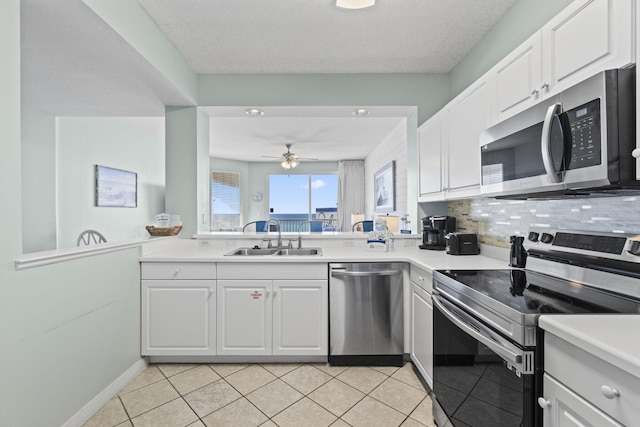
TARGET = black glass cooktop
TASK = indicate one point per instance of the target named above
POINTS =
(529, 292)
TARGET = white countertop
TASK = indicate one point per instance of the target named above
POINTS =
(427, 259)
(611, 337)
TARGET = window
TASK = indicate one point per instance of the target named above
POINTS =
(226, 205)
(295, 199)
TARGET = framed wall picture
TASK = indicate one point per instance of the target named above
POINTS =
(116, 188)
(384, 187)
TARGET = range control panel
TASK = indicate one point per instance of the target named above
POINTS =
(616, 245)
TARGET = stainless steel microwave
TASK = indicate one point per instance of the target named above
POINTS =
(576, 143)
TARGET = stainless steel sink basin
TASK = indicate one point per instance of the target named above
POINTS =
(252, 251)
(302, 251)
(274, 251)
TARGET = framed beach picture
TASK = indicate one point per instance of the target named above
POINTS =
(384, 187)
(116, 188)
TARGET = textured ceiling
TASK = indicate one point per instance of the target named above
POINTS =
(74, 64)
(315, 36)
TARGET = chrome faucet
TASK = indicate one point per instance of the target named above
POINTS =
(279, 245)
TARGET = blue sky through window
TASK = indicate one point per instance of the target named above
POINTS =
(289, 193)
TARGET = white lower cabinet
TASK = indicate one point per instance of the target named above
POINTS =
(422, 322)
(244, 317)
(565, 408)
(582, 389)
(275, 316)
(422, 332)
(178, 304)
(178, 317)
(300, 317)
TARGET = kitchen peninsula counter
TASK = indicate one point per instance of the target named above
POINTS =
(406, 250)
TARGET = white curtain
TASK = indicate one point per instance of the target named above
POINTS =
(350, 191)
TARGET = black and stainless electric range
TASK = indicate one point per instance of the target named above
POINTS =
(488, 349)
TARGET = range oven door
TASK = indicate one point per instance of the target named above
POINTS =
(480, 378)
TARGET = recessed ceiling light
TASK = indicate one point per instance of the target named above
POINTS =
(254, 112)
(355, 4)
(360, 112)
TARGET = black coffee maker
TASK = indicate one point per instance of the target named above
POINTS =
(434, 228)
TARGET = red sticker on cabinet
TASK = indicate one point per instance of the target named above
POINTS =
(256, 295)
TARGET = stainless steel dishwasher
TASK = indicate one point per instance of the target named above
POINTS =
(366, 314)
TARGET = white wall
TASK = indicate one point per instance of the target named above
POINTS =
(393, 147)
(130, 143)
(38, 181)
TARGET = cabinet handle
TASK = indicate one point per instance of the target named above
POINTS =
(534, 92)
(420, 278)
(175, 273)
(609, 392)
(636, 153)
(266, 293)
(544, 403)
(544, 86)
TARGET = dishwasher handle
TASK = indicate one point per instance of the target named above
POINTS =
(343, 273)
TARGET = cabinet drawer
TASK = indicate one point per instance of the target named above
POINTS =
(274, 270)
(587, 374)
(178, 270)
(421, 277)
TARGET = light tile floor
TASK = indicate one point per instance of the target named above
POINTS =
(300, 395)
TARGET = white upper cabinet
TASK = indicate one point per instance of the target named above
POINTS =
(516, 80)
(587, 37)
(430, 154)
(467, 116)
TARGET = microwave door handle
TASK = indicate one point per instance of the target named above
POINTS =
(552, 175)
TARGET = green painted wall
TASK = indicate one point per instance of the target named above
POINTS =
(428, 92)
(38, 163)
(67, 330)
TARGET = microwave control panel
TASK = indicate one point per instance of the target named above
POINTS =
(586, 142)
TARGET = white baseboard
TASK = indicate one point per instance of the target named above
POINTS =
(90, 409)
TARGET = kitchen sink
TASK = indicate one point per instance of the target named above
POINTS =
(302, 251)
(252, 251)
(274, 251)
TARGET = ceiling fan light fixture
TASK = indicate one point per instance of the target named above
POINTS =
(355, 4)
(254, 112)
(289, 163)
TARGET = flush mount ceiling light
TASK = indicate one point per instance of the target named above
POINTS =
(360, 112)
(355, 4)
(254, 112)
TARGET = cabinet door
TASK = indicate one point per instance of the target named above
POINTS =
(587, 37)
(516, 80)
(422, 332)
(565, 408)
(430, 157)
(244, 317)
(466, 118)
(300, 317)
(178, 317)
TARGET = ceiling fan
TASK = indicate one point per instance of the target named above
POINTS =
(289, 160)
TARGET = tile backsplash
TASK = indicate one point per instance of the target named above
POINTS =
(495, 220)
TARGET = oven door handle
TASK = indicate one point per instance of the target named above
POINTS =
(497, 345)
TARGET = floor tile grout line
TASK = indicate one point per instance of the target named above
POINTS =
(307, 394)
